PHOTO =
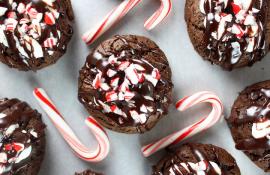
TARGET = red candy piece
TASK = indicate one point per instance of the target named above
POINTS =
(8, 147)
(236, 8)
(49, 18)
(11, 14)
(14, 146)
(17, 147)
(49, 43)
(113, 108)
(111, 96)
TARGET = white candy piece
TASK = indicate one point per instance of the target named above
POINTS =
(236, 52)
(3, 158)
(11, 129)
(104, 86)
(143, 109)
(33, 133)
(200, 168)
(37, 49)
(111, 73)
(49, 2)
(2, 115)
(250, 20)
(112, 59)
(261, 129)
(266, 92)
(3, 10)
(251, 44)
(114, 82)
(252, 111)
(24, 154)
(139, 67)
(21, 8)
(106, 107)
(150, 78)
(3, 38)
(246, 4)
(20, 48)
(138, 118)
(132, 74)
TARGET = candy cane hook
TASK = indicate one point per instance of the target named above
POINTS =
(114, 16)
(205, 123)
(159, 15)
(90, 155)
(119, 12)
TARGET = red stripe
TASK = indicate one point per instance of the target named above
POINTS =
(154, 18)
(127, 8)
(170, 7)
(179, 103)
(89, 158)
(100, 29)
(181, 137)
(44, 99)
(96, 124)
(148, 146)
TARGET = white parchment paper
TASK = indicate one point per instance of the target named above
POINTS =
(190, 74)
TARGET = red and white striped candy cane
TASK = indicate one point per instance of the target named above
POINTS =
(205, 123)
(87, 154)
(114, 16)
(159, 15)
(119, 12)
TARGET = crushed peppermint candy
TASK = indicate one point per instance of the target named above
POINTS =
(200, 168)
(126, 86)
(21, 131)
(31, 26)
(234, 28)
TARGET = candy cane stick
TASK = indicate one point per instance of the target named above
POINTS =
(159, 15)
(90, 155)
(114, 16)
(205, 123)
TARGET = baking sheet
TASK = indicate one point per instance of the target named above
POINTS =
(190, 74)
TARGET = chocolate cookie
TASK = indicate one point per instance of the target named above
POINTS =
(34, 33)
(229, 33)
(88, 172)
(126, 84)
(22, 138)
(193, 159)
(250, 123)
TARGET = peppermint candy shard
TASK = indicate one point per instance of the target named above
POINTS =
(49, 18)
